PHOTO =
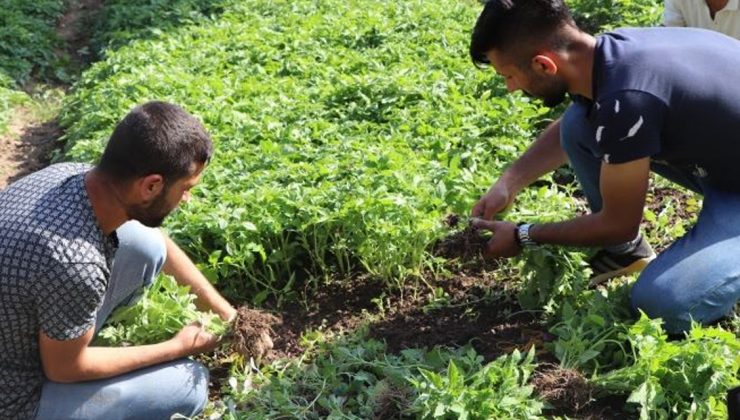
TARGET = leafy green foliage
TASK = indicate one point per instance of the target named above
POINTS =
(595, 16)
(28, 40)
(590, 331)
(552, 276)
(9, 99)
(354, 378)
(122, 21)
(677, 379)
(164, 308)
(470, 390)
(325, 165)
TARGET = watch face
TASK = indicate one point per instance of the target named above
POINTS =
(523, 235)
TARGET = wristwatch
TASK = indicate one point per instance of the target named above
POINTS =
(522, 235)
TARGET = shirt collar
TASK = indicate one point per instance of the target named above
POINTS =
(732, 5)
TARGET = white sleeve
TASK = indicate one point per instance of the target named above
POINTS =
(672, 15)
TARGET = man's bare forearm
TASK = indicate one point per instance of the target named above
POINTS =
(75, 361)
(543, 156)
(179, 265)
(105, 362)
(588, 230)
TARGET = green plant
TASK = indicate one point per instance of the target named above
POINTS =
(677, 379)
(325, 166)
(591, 331)
(163, 309)
(596, 16)
(28, 41)
(9, 99)
(470, 390)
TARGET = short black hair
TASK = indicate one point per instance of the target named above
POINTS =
(522, 24)
(156, 138)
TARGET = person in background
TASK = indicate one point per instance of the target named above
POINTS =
(78, 241)
(716, 15)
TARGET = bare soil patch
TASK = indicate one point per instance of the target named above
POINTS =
(75, 29)
(26, 146)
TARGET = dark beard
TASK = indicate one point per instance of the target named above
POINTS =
(550, 92)
(152, 215)
(553, 99)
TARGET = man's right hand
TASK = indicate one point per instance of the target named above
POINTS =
(497, 199)
(194, 339)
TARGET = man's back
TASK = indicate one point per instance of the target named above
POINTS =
(672, 80)
(53, 267)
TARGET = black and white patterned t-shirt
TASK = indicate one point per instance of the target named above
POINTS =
(54, 269)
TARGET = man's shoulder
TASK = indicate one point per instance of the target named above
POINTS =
(663, 61)
(48, 214)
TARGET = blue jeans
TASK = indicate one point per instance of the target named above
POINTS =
(156, 392)
(698, 276)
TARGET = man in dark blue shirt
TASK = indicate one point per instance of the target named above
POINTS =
(642, 101)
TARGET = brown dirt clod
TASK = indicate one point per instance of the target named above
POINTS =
(464, 245)
(252, 333)
(565, 389)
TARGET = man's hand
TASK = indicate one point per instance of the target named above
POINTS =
(497, 199)
(503, 242)
(194, 339)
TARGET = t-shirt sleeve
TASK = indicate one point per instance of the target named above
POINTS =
(672, 15)
(67, 299)
(628, 126)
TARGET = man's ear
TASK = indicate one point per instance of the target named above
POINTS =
(544, 64)
(149, 187)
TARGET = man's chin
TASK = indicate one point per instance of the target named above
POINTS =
(152, 223)
(553, 101)
(147, 220)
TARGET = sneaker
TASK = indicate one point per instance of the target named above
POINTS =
(606, 265)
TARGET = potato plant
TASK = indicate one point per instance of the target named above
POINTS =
(345, 133)
(325, 165)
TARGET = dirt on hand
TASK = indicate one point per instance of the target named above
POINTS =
(464, 245)
(253, 333)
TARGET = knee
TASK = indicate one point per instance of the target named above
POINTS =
(178, 387)
(141, 246)
(658, 301)
(194, 383)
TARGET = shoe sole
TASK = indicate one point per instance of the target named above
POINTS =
(636, 266)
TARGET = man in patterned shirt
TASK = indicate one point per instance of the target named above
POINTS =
(641, 102)
(75, 242)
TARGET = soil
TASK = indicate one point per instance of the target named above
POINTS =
(469, 307)
(26, 146)
(252, 333)
(474, 308)
(464, 245)
(74, 29)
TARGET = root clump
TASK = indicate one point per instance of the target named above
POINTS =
(253, 333)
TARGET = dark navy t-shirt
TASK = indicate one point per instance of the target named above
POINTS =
(672, 94)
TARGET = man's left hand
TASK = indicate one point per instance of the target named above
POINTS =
(503, 242)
